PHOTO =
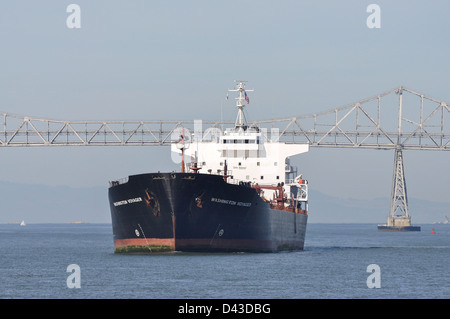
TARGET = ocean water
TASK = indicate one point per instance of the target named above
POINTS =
(34, 261)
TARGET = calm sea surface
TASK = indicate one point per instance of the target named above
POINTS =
(34, 261)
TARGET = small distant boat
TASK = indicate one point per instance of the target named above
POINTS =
(22, 223)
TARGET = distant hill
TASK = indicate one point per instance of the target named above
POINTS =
(63, 204)
(328, 209)
(53, 204)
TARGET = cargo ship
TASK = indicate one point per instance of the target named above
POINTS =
(236, 192)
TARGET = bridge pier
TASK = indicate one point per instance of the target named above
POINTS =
(399, 218)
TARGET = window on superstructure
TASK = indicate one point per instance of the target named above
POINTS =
(262, 177)
(258, 164)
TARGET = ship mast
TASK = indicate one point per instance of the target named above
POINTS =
(241, 101)
(182, 144)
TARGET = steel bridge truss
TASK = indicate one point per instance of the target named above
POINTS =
(420, 123)
(25, 131)
(399, 119)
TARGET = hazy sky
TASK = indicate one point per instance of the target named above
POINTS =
(150, 60)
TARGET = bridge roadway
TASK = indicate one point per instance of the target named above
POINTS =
(377, 123)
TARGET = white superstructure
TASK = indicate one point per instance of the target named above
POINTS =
(245, 154)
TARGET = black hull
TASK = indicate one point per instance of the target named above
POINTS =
(198, 212)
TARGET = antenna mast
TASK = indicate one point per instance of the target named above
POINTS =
(241, 101)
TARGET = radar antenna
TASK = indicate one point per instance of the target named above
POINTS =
(241, 101)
